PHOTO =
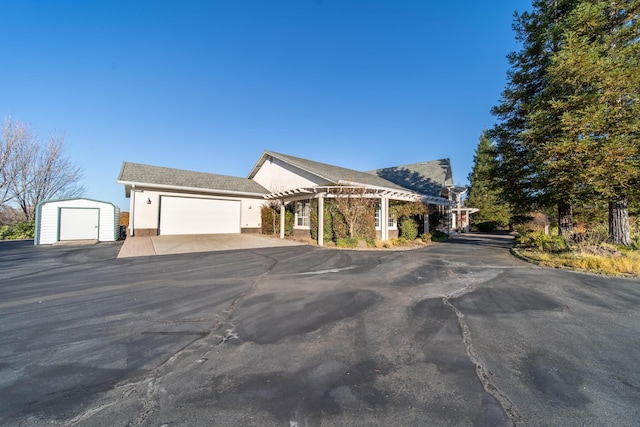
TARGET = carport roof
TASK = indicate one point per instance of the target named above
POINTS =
(147, 175)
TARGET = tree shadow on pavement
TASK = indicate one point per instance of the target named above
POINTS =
(502, 240)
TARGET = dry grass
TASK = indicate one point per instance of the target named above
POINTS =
(616, 263)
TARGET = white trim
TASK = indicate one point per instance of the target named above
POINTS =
(191, 189)
(282, 215)
(384, 219)
(306, 206)
(380, 192)
(320, 220)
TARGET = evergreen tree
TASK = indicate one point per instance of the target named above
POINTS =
(521, 169)
(483, 191)
(595, 82)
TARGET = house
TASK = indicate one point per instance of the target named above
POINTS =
(433, 179)
(75, 219)
(172, 201)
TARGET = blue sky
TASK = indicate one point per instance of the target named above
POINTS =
(209, 85)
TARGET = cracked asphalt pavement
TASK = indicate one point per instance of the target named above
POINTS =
(458, 333)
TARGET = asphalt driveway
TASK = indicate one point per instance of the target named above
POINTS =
(459, 333)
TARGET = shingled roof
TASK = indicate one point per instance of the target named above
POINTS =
(428, 178)
(139, 174)
(333, 174)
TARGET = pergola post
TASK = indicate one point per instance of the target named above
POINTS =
(321, 220)
(282, 219)
(384, 218)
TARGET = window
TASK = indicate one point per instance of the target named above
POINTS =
(302, 213)
(391, 224)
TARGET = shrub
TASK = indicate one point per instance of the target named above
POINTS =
(486, 226)
(18, 230)
(400, 241)
(347, 242)
(426, 237)
(434, 219)
(539, 240)
(340, 228)
(592, 236)
(289, 219)
(439, 236)
(327, 233)
(266, 218)
(270, 218)
(408, 228)
(555, 244)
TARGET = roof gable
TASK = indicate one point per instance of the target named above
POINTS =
(331, 173)
(428, 178)
(136, 173)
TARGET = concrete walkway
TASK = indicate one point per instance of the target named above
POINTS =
(165, 245)
(136, 246)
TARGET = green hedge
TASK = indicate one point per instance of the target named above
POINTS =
(487, 226)
(438, 236)
(408, 228)
(18, 230)
(327, 234)
(267, 218)
(347, 242)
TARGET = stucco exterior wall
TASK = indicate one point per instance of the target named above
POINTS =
(276, 175)
(145, 210)
(250, 216)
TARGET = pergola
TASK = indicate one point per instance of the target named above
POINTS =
(349, 189)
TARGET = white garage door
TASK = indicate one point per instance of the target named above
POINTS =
(185, 215)
(79, 223)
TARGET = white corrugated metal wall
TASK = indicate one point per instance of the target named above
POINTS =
(48, 219)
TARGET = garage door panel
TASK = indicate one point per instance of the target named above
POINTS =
(79, 223)
(186, 215)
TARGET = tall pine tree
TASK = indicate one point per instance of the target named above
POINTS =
(594, 87)
(521, 171)
(483, 191)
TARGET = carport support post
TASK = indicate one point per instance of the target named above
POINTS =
(321, 220)
(282, 219)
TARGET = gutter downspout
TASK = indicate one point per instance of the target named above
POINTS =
(133, 210)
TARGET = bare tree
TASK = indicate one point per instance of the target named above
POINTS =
(36, 170)
(13, 136)
(354, 204)
(274, 205)
(10, 215)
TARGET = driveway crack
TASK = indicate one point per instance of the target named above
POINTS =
(151, 383)
(482, 371)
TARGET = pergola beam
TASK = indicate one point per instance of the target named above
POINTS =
(333, 191)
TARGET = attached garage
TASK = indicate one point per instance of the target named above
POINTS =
(76, 219)
(193, 215)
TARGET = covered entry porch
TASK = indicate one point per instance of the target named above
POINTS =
(382, 197)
